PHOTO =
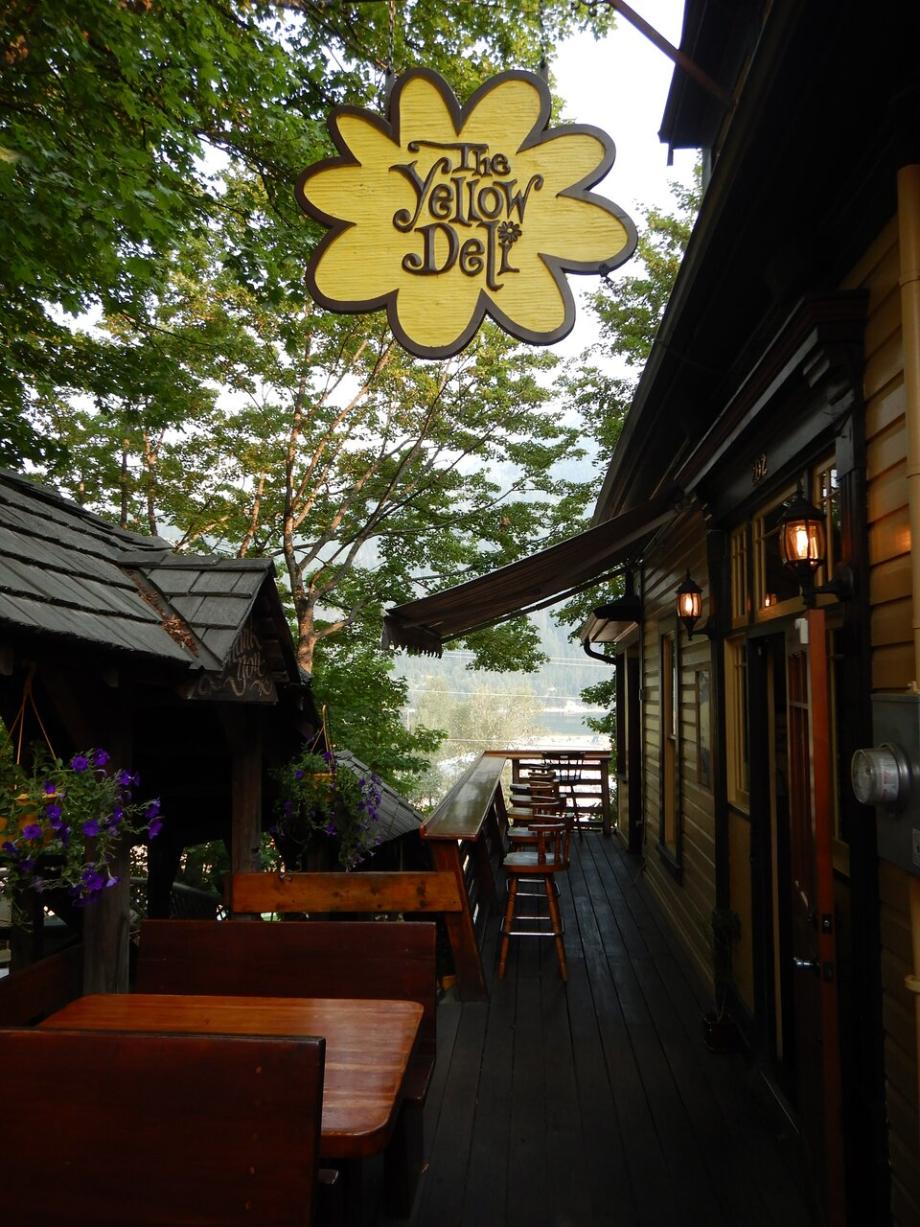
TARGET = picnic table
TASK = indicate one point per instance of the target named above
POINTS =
(368, 1047)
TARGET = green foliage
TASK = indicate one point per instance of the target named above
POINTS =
(630, 308)
(148, 152)
(366, 702)
(603, 694)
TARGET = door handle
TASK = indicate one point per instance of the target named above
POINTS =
(807, 965)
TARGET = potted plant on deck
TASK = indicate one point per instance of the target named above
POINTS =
(322, 804)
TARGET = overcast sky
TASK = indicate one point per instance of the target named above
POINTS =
(621, 85)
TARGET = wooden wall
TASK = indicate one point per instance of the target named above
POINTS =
(892, 668)
(690, 899)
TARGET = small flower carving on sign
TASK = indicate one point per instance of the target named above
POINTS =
(443, 214)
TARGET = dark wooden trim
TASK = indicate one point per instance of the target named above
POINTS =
(672, 858)
(820, 344)
(718, 562)
(635, 818)
(760, 819)
(862, 1030)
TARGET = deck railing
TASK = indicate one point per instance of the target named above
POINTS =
(592, 792)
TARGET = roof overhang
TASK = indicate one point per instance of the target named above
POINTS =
(525, 586)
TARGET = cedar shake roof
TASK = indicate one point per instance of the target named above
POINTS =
(67, 573)
(397, 816)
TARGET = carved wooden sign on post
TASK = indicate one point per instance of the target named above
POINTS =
(443, 213)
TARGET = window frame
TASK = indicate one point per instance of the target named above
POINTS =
(737, 731)
(670, 817)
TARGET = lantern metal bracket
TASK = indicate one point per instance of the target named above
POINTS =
(842, 586)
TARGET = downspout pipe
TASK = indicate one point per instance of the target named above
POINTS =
(608, 660)
(909, 247)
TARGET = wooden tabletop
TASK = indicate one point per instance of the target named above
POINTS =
(368, 1046)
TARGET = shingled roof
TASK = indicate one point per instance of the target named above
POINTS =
(66, 572)
(396, 815)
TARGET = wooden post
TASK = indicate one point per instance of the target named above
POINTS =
(460, 931)
(106, 932)
(604, 765)
(822, 765)
(107, 921)
(244, 729)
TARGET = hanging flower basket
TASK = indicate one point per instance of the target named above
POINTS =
(62, 824)
(320, 802)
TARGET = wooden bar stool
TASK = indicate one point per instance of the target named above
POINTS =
(547, 855)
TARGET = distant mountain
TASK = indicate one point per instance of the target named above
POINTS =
(556, 687)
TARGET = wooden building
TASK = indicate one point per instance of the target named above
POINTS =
(788, 361)
(182, 667)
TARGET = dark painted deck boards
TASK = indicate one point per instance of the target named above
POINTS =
(597, 1104)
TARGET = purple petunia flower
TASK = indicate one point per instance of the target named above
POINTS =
(116, 816)
(79, 763)
(100, 758)
(155, 828)
(48, 788)
(91, 827)
(298, 775)
(8, 847)
(330, 828)
(53, 813)
(64, 835)
(113, 880)
(92, 879)
(32, 831)
(152, 809)
(125, 779)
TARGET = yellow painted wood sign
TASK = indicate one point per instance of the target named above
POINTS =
(444, 213)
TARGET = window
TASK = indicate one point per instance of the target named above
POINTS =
(736, 725)
(775, 588)
(669, 829)
(825, 494)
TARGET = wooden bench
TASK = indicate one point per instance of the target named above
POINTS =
(442, 893)
(32, 993)
(364, 959)
(151, 1129)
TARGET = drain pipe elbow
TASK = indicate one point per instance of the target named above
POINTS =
(608, 660)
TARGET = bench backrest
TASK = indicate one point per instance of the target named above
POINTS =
(29, 995)
(150, 1129)
(425, 892)
(296, 958)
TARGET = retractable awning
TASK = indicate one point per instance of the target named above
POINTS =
(522, 587)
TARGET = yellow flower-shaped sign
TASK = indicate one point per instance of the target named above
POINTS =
(444, 214)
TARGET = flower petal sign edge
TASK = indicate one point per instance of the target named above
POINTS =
(451, 285)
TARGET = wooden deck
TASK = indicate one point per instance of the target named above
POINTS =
(597, 1104)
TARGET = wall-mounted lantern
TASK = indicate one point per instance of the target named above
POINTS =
(690, 606)
(803, 549)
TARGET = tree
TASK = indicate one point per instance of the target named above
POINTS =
(148, 150)
(112, 112)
